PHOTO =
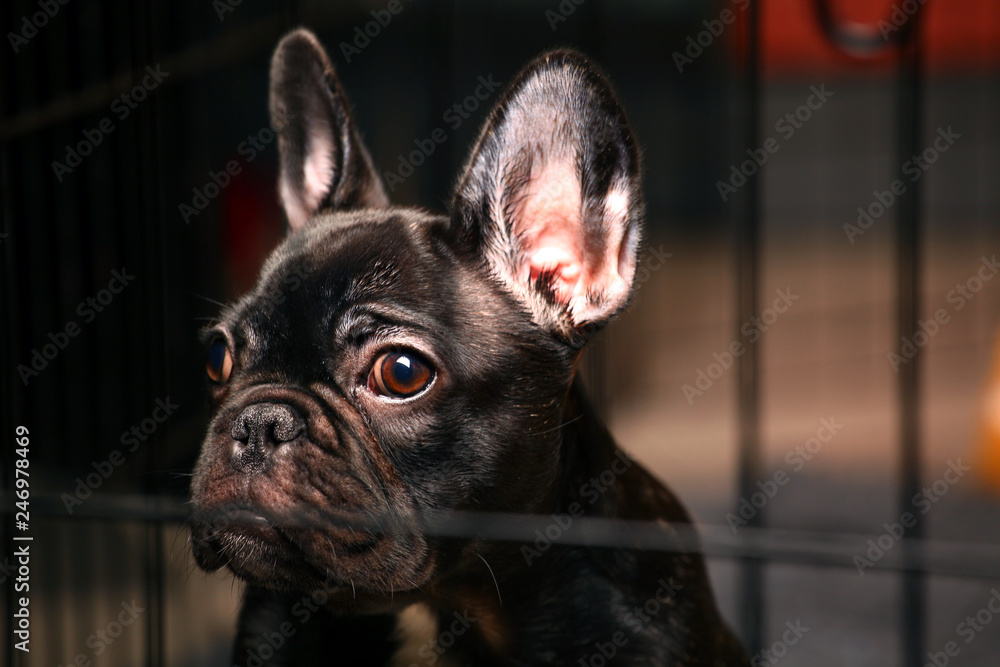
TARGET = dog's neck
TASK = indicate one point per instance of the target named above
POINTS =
(587, 449)
(507, 588)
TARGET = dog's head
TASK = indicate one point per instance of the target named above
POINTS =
(391, 364)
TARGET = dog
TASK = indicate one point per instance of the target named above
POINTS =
(393, 367)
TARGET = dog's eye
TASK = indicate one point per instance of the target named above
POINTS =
(399, 375)
(219, 363)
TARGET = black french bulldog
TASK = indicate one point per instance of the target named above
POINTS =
(393, 365)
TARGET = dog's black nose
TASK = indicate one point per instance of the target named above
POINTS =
(259, 430)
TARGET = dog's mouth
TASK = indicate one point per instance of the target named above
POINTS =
(345, 551)
(254, 546)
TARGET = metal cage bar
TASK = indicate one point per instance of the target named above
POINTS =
(908, 265)
(867, 41)
(751, 589)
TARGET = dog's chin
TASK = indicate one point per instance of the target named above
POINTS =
(354, 571)
(256, 552)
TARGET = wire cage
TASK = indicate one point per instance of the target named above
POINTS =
(827, 159)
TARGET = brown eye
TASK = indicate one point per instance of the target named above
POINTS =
(399, 375)
(219, 363)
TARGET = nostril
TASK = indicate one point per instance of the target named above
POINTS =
(288, 430)
(268, 422)
(240, 430)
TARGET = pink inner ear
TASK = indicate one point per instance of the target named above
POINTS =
(554, 241)
(303, 200)
(550, 230)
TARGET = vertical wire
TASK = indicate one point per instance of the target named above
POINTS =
(152, 244)
(751, 612)
(908, 266)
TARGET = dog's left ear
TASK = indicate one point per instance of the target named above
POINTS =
(324, 165)
(551, 196)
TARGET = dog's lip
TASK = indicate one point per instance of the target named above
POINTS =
(250, 517)
(214, 526)
(254, 524)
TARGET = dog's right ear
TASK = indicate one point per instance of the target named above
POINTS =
(324, 165)
(551, 196)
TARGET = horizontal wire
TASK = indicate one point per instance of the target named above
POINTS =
(796, 547)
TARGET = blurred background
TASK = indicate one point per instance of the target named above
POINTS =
(822, 190)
